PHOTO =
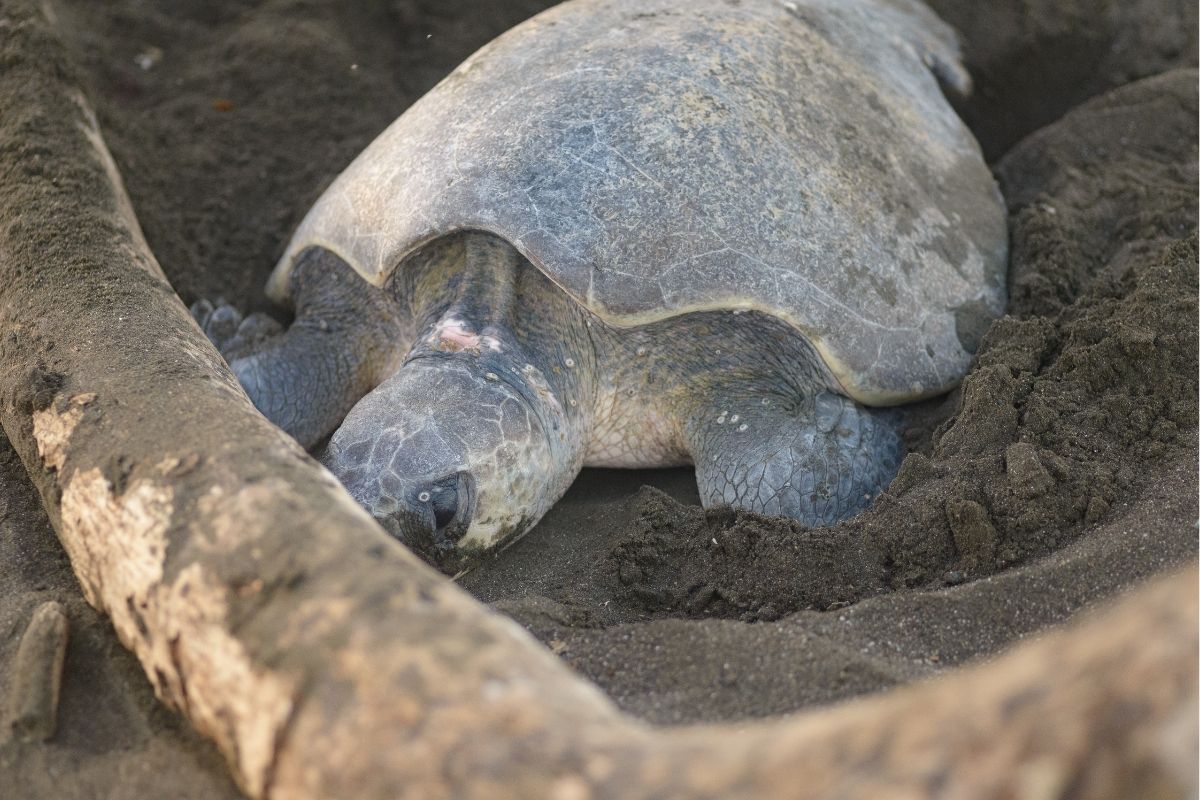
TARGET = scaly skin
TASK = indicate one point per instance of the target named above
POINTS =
(346, 337)
(479, 389)
(749, 403)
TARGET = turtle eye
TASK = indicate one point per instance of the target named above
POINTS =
(452, 502)
(442, 510)
(443, 499)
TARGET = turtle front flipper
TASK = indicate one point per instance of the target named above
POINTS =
(346, 338)
(817, 460)
(233, 334)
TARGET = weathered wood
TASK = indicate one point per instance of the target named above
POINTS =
(37, 675)
(327, 661)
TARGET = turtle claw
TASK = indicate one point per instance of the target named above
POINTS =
(218, 320)
(231, 333)
(222, 325)
(201, 310)
(256, 329)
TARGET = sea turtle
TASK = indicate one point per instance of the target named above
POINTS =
(637, 233)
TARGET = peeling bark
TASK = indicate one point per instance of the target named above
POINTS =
(325, 660)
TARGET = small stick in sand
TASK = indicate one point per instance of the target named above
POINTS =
(37, 675)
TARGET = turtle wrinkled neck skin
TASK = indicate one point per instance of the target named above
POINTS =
(734, 252)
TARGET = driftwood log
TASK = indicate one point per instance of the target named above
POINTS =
(327, 661)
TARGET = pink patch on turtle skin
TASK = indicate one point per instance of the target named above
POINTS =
(454, 335)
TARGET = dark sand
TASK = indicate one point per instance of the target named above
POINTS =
(1063, 471)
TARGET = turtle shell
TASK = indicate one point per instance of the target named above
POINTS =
(661, 157)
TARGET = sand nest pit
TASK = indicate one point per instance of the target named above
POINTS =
(1060, 473)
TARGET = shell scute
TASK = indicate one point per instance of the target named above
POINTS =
(656, 158)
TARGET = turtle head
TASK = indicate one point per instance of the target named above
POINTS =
(453, 455)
